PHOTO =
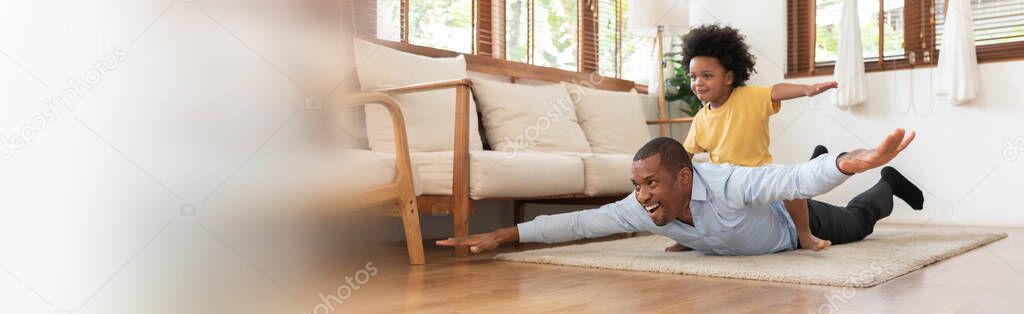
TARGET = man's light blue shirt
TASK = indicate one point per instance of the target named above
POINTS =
(736, 210)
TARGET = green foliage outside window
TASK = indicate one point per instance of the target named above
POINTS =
(446, 24)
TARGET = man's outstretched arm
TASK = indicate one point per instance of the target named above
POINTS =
(860, 160)
(484, 241)
(625, 215)
(809, 179)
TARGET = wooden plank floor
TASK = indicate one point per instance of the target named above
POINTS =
(986, 280)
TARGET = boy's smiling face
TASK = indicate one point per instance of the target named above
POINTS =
(709, 80)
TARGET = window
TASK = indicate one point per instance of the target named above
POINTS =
(389, 24)
(623, 54)
(542, 32)
(517, 29)
(896, 33)
(572, 35)
(997, 24)
(609, 28)
(555, 28)
(444, 24)
(888, 36)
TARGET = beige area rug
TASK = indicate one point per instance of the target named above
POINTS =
(888, 253)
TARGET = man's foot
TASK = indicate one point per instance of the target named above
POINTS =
(677, 248)
(818, 151)
(813, 243)
(903, 188)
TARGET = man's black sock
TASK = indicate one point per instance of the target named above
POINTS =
(903, 188)
(818, 151)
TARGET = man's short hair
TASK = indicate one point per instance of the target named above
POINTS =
(673, 156)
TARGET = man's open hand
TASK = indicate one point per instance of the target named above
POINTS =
(861, 160)
(483, 242)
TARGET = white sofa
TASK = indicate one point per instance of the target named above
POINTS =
(559, 141)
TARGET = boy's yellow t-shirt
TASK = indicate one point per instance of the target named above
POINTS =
(736, 132)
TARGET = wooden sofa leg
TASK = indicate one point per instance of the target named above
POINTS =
(518, 215)
(519, 212)
(460, 222)
(411, 224)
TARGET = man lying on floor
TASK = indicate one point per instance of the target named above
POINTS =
(725, 209)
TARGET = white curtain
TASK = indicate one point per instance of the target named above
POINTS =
(958, 61)
(850, 60)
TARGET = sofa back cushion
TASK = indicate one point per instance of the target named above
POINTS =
(613, 121)
(520, 117)
(429, 116)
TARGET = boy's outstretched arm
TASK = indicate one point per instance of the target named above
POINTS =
(786, 91)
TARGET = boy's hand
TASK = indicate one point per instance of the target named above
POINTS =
(815, 89)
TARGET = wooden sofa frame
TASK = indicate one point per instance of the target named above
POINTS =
(401, 191)
(459, 202)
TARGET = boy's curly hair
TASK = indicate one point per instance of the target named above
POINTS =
(723, 43)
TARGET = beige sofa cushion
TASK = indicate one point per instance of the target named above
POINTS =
(357, 169)
(607, 174)
(345, 174)
(612, 121)
(520, 118)
(491, 175)
(429, 116)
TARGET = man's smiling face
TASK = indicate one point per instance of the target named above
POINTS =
(660, 191)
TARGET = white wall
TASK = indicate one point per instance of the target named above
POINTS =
(957, 158)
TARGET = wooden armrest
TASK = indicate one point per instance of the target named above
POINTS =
(427, 86)
(460, 158)
(670, 120)
(403, 163)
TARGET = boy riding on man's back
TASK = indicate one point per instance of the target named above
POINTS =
(732, 127)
